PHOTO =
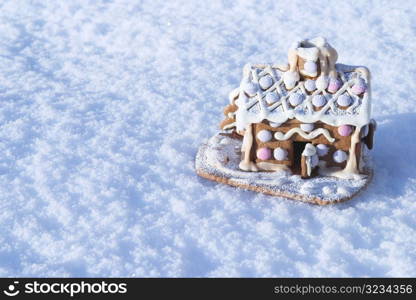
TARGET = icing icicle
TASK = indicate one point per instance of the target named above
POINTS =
(246, 164)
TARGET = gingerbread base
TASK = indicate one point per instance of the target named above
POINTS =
(218, 160)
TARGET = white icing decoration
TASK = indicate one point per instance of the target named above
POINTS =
(229, 126)
(280, 154)
(308, 165)
(271, 97)
(254, 109)
(307, 127)
(351, 167)
(265, 82)
(322, 149)
(319, 41)
(290, 79)
(246, 164)
(310, 54)
(264, 136)
(310, 51)
(340, 156)
(322, 82)
(267, 166)
(309, 152)
(284, 137)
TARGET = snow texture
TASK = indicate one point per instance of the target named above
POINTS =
(105, 103)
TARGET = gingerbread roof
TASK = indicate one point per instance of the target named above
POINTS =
(262, 95)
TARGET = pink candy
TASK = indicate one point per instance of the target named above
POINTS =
(359, 87)
(264, 153)
(344, 130)
(334, 85)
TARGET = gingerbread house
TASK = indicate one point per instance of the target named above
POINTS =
(310, 117)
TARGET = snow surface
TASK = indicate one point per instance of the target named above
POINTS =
(104, 105)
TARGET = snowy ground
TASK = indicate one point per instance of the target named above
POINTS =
(103, 105)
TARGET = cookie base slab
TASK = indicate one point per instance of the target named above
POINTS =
(218, 160)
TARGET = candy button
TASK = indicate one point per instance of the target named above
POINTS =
(264, 136)
(264, 153)
(344, 130)
(340, 156)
